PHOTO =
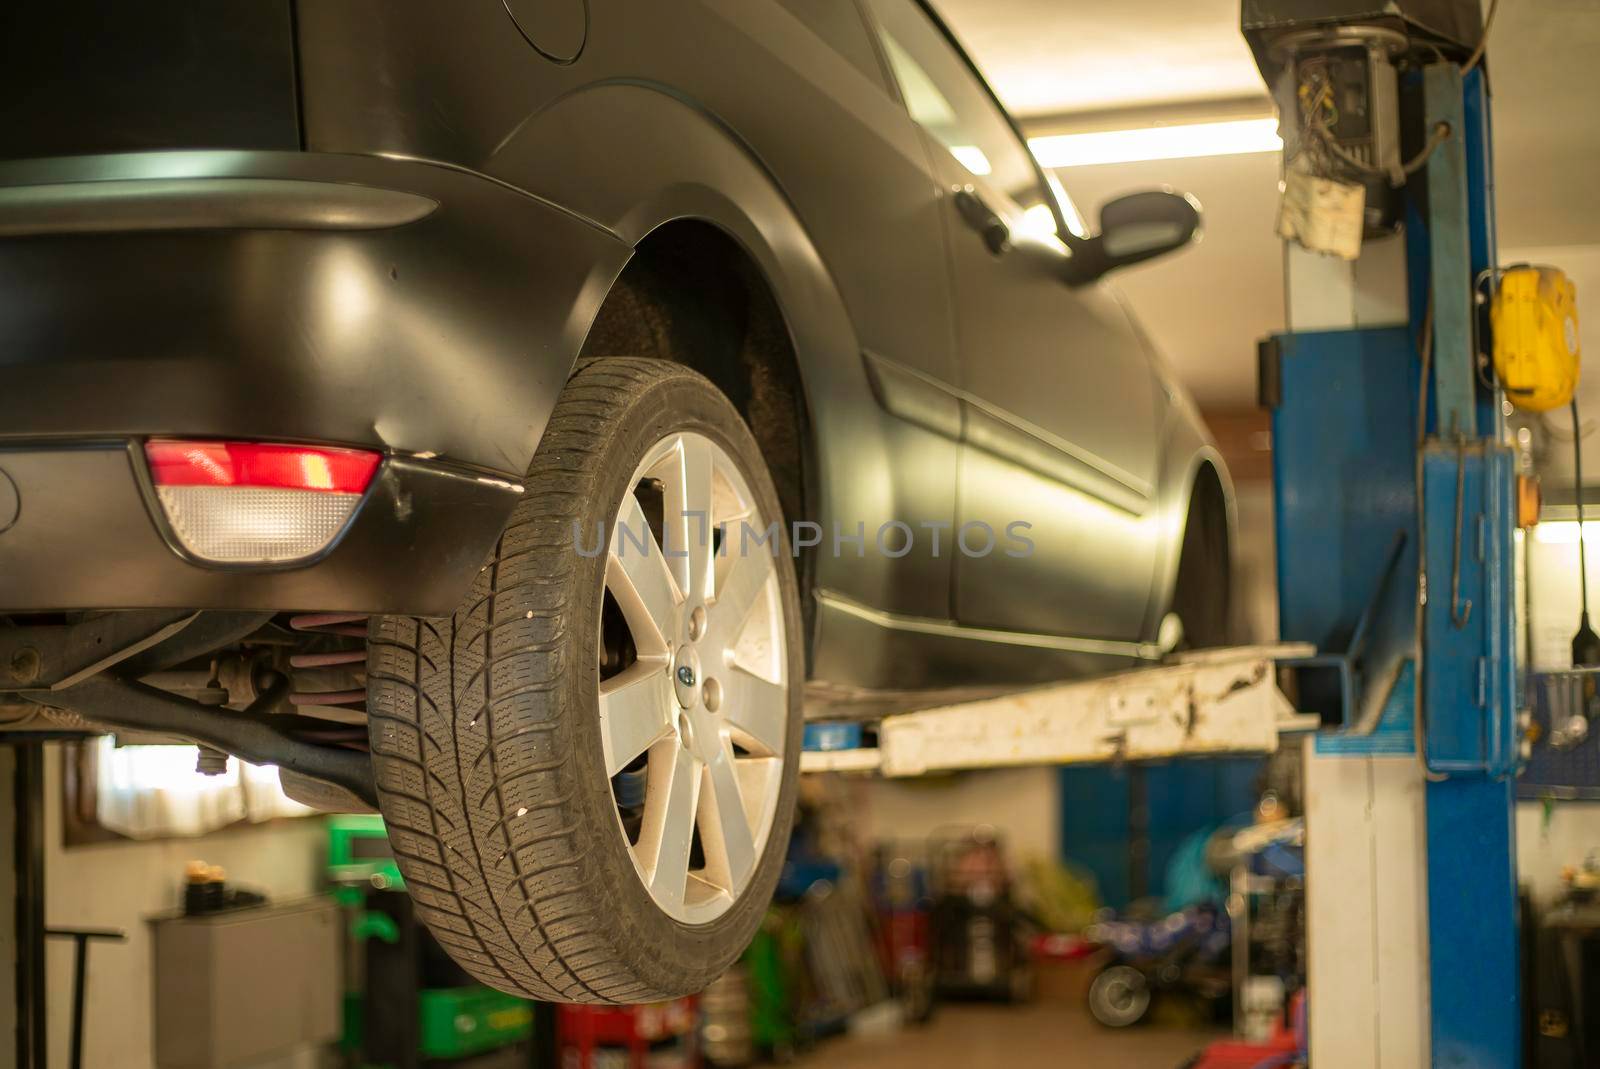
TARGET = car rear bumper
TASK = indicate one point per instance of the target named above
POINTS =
(391, 304)
(79, 529)
(420, 310)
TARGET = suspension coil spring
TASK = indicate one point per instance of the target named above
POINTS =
(353, 625)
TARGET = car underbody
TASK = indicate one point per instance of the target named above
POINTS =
(278, 689)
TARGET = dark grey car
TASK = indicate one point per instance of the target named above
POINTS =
(571, 392)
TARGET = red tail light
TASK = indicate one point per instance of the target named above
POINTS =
(285, 467)
(255, 502)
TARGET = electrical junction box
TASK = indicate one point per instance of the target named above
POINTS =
(1333, 68)
(1453, 26)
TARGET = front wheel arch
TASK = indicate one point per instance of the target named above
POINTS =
(1203, 581)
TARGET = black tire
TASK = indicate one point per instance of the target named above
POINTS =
(485, 730)
(1202, 595)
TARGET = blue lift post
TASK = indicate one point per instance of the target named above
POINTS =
(1470, 693)
(1396, 559)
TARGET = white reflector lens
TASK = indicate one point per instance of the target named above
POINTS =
(254, 525)
(257, 502)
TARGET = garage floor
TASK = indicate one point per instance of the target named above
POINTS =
(1007, 1037)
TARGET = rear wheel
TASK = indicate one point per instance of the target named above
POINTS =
(588, 772)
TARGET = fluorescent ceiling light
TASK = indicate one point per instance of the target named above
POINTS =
(1562, 533)
(1231, 138)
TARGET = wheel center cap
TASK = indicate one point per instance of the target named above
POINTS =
(686, 676)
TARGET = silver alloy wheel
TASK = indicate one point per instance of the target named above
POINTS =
(701, 710)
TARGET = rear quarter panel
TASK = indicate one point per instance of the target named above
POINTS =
(726, 111)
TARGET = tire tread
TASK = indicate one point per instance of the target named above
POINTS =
(468, 710)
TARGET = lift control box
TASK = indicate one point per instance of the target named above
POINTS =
(1450, 25)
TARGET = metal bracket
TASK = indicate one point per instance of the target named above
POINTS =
(55, 656)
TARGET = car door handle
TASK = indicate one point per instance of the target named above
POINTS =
(984, 219)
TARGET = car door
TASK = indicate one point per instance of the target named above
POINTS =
(1062, 409)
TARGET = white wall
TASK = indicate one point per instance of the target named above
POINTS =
(1022, 804)
(121, 885)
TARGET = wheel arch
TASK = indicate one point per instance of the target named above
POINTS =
(642, 161)
(693, 295)
(716, 243)
(1200, 474)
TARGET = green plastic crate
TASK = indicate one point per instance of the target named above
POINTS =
(458, 1021)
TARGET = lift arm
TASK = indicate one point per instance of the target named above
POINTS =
(1208, 702)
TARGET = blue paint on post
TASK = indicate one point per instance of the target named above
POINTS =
(1469, 659)
(1344, 475)
(1469, 690)
(1472, 923)
(1396, 732)
(1454, 363)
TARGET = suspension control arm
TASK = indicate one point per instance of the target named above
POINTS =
(259, 739)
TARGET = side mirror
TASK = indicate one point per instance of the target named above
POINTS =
(1135, 228)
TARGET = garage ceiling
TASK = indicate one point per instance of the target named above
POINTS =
(1049, 56)
(1055, 63)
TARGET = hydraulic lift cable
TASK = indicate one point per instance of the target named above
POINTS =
(1483, 42)
(1585, 644)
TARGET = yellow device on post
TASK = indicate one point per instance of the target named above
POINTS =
(1535, 321)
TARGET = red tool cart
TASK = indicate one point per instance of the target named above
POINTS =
(659, 1035)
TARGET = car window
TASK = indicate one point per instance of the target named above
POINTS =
(839, 24)
(948, 101)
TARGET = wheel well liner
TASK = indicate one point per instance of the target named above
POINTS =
(1205, 491)
(1209, 506)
